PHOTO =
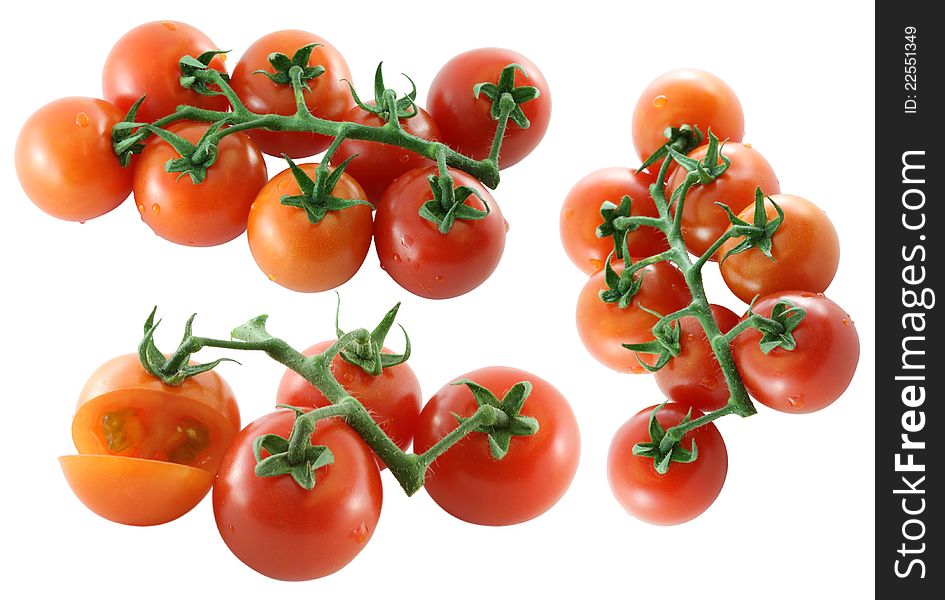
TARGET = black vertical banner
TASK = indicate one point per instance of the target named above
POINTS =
(910, 269)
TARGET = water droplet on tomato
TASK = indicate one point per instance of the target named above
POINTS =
(660, 101)
(820, 294)
(690, 336)
(709, 384)
(845, 321)
(361, 533)
(156, 209)
(406, 241)
(81, 222)
(231, 528)
(170, 26)
(438, 278)
(747, 145)
(796, 401)
(82, 120)
(141, 208)
(404, 158)
(396, 257)
(506, 223)
(271, 277)
(596, 264)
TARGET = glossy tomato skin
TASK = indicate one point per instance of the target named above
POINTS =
(682, 493)
(377, 165)
(580, 216)
(816, 372)
(284, 531)
(703, 222)
(393, 397)
(694, 377)
(424, 261)
(466, 121)
(301, 255)
(806, 252)
(469, 483)
(145, 62)
(206, 214)
(65, 162)
(604, 327)
(685, 96)
(329, 96)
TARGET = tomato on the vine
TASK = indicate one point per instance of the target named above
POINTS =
(205, 214)
(604, 327)
(148, 451)
(65, 162)
(694, 377)
(812, 375)
(469, 483)
(377, 165)
(392, 398)
(328, 96)
(580, 216)
(686, 490)
(703, 222)
(284, 531)
(466, 121)
(423, 260)
(806, 252)
(690, 97)
(144, 62)
(301, 255)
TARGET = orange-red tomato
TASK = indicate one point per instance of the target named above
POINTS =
(301, 255)
(806, 252)
(206, 214)
(145, 62)
(65, 162)
(328, 96)
(580, 217)
(604, 327)
(703, 222)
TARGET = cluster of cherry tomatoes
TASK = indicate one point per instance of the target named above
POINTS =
(149, 452)
(805, 258)
(66, 163)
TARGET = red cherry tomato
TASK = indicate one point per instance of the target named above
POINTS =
(144, 62)
(301, 255)
(466, 121)
(816, 372)
(469, 483)
(694, 377)
(685, 96)
(377, 164)
(806, 252)
(580, 217)
(682, 493)
(424, 261)
(284, 531)
(65, 162)
(703, 222)
(392, 398)
(604, 327)
(205, 214)
(328, 96)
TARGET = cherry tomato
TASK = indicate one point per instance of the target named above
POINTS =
(148, 451)
(685, 96)
(284, 531)
(816, 372)
(604, 327)
(580, 217)
(301, 255)
(682, 493)
(423, 260)
(694, 377)
(467, 482)
(328, 96)
(392, 398)
(64, 159)
(703, 222)
(145, 62)
(466, 121)
(377, 164)
(806, 252)
(205, 214)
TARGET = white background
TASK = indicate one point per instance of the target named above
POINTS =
(795, 518)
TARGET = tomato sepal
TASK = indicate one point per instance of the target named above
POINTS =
(663, 453)
(703, 171)
(776, 330)
(665, 344)
(194, 70)
(175, 369)
(621, 288)
(758, 234)
(300, 463)
(316, 199)
(614, 226)
(449, 203)
(684, 139)
(370, 356)
(125, 140)
(506, 85)
(510, 422)
(285, 72)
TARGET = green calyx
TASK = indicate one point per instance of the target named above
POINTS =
(665, 344)
(386, 103)
(683, 139)
(370, 355)
(510, 422)
(664, 449)
(193, 72)
(758, 234)
(616, 224)
(175, 369)
(126, 140)
(194, 159)
(702, 171)
(297, 458)
(293, 71)
(776, 331)
(623, 287)
(506, 87)
(316, 197)
(449, 203)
